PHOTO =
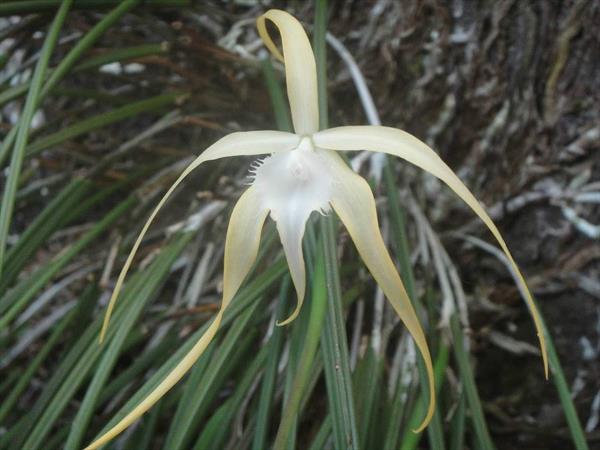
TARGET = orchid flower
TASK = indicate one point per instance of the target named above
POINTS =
(301, 174)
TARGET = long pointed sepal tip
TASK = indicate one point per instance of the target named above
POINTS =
(426, 420)
(544, 356)
(289, 319)
(104, 329)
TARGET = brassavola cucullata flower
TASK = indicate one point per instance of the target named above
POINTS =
(302, 174)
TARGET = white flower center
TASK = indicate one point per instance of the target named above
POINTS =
(296, 180)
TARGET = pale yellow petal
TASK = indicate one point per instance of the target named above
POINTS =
(291, 223)
(242, 241)
(241, 248)
(353, 202)
(399, 143)
(235, 144)
(300, 68)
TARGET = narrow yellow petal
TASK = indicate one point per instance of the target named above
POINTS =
(399, 143)
(241, 248)
(354, 203)
(300, 68)
(174, 376)
(242, 241)
(235, 144)
(290, 225)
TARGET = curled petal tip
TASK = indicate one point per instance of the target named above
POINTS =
(292, 317)
(545, 359)
(300, 67)
(425, 422)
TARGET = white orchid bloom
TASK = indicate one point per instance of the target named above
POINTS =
(303, 173)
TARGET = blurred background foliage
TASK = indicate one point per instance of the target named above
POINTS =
(104, 102)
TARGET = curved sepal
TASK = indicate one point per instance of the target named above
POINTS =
(404, 145)
(235, 144)
(353, 202)
(241, 248)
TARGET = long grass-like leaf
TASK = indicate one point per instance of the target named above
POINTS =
(564, 394)
(143, 436)
(73, 201)
(110, 56)
(400, 243)
(54, 216)
(468, 383)
(243, 299)
(302, 373)
(113, 350)
(102, 120)
(397, 413)
(139, 366)
(49, 345)
(280, 107)
(138, 296)
(38, 6)
(335, 351)
(560, 382)
(411, 439)
(267, 390)
(367, 382)
(68, 62)
(218, 429)
(457, 426)
(17, 299)
(201, 390)
(21, 136)
(320, 440)
(85, 43)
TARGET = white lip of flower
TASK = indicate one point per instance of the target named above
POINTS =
(304, 174)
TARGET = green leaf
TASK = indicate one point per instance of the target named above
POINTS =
(457, 426)
(268, 386)
(25, 378)
(20, 296)
(129, 317)
(367, 385)
(245, 297)
(67, 63)
(102, 120)
(21, 136)
(107, 57)
(142, 290)
(219, 427)
(564, 393)
(203, 385)
(335, 351)
(468, 383)
(317, 305)
(38, 6)
(52, 218)
(412, 439)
